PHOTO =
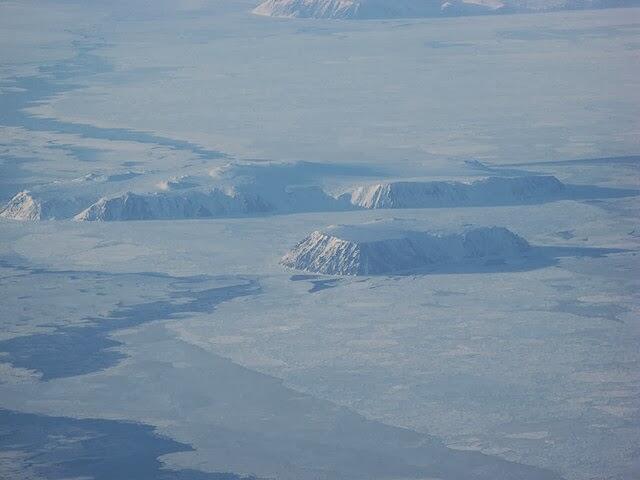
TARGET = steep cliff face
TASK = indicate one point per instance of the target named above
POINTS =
(386, 247)
(308, 9)
(486, 192)
(156, 206)
(371, 9)
(411, 195)
(22, 207)
(29, 206)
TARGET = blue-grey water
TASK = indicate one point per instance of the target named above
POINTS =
(61, 447)
(75, 350)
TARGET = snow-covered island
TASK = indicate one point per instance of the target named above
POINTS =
(392, 246)
(380, 9)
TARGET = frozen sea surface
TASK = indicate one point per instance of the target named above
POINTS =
(187, 346)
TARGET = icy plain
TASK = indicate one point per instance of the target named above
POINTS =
(167, 341)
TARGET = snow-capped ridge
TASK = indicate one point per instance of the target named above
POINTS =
(308, 9)
(22, 207)
(28, 206)
(229, 190)
(62, 199)
(159, 206)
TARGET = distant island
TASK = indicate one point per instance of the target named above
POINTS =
(381, 9)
